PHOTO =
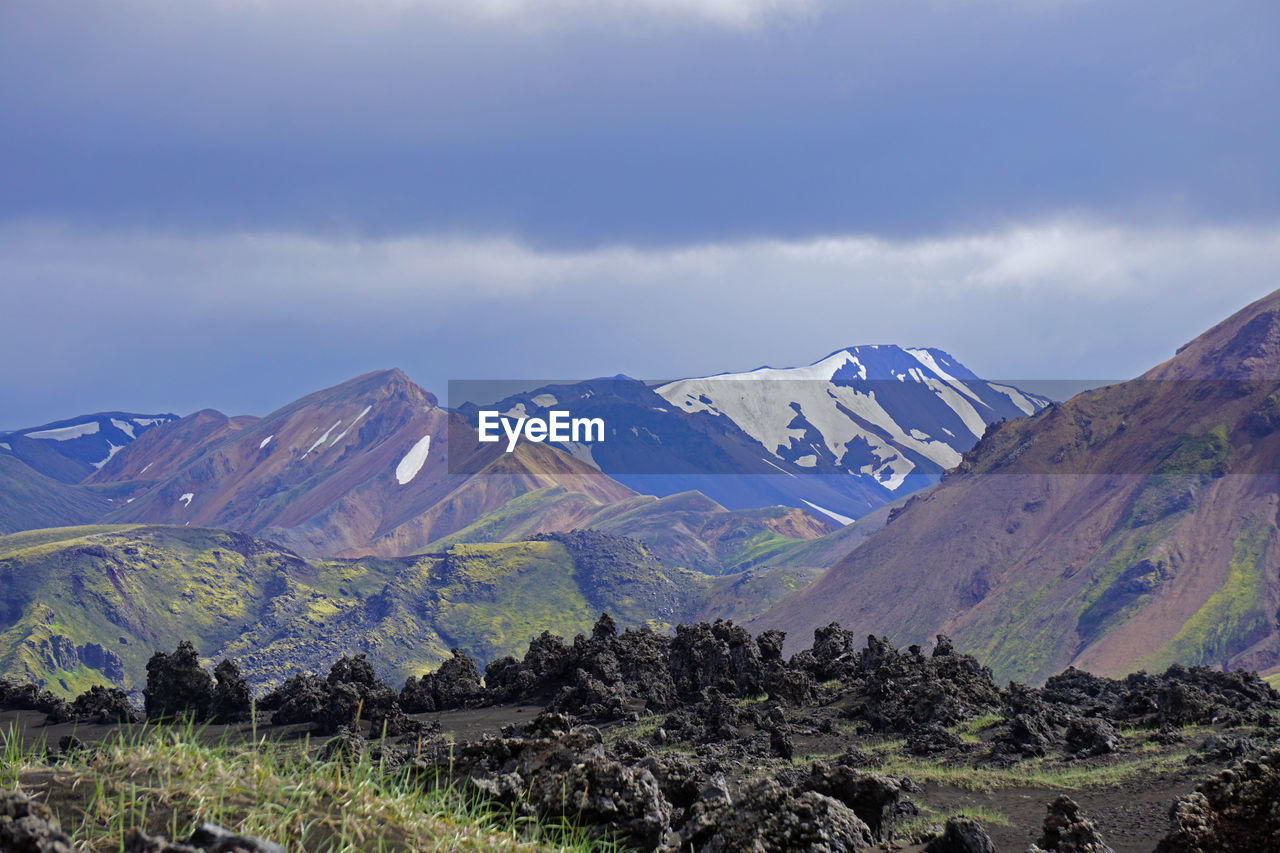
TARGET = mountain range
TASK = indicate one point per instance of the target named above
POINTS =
(376, 466)
(70, 450)
(1132, 526)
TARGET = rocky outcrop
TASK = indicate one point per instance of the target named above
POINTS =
(350, 696)
(27, 826)
(453, 685)
(104, 705)
(1067, 830)
(555, 769)
(770, 818)
(1231, 812)
(178, 687)
(961, 835)
(29, 697)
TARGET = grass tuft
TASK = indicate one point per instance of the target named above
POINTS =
(166, 779)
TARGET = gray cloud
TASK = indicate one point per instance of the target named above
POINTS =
(576, 123)
(246, 320)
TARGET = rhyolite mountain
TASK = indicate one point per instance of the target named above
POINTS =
(1133, 526)
(70, 450)
(362, 469)
(842, 436)
(356, 469)
(88, 605)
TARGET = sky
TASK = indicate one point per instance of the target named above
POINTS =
(232, 203)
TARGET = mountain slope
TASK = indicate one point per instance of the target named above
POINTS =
(89, 605)
(71, 450)
(1132, 526)
(29, 499)
(688, 529)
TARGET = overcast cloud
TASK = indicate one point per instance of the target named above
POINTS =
(234, 202)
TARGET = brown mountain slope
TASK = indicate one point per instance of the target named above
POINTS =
(337, 473)
(163, 451)
(1131, 527)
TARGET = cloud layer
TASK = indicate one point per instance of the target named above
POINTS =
(666, 121)
(179, 317)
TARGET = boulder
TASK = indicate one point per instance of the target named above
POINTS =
(1067, 830)
(27, 826)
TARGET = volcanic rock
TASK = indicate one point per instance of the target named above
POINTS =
(27, 826)
(177, 685)
(1232, 811)
(1067, 830)
(103, 705)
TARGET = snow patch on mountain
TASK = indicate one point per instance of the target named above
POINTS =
(112, 450)
(834, 516)
(343, 434)
(321, 440)
(124, 426)
(926, 358)
(580, 451)
(65, 433)
(1019, 399)
(266, 441)
(972, 420)
(186, 498)
(413, 461)
(544, 400)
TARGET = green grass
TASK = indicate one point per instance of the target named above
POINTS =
(969, 731)
(1233, 617)
(1032, 773)
(165, 780)
(515, 519)
(14, 542)
(929, 818)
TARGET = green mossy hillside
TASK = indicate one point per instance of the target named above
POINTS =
(87, 605)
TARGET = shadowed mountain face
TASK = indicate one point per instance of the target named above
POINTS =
(842, 436)
(30, 499)
(71, 450)
(1131, 527)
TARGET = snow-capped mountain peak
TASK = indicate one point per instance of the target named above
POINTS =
(70, 450)
(884, 411)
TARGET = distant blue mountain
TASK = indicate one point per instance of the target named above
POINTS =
(72, 449)
(842, 436)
